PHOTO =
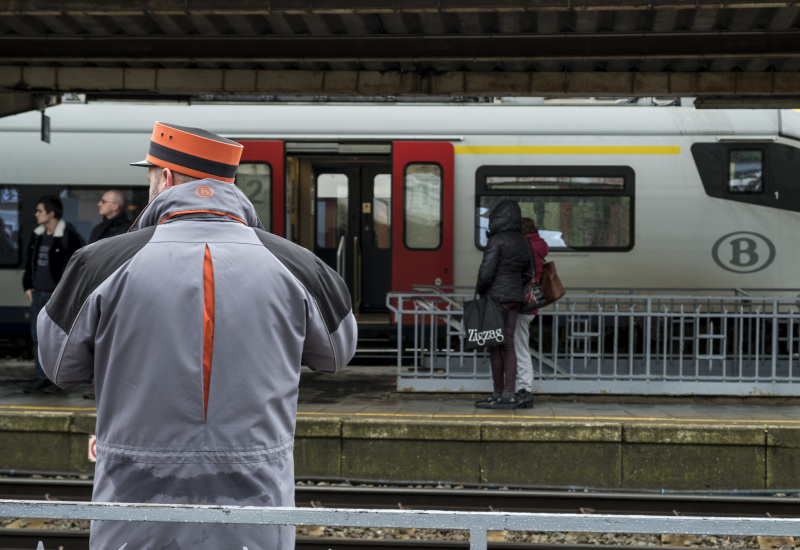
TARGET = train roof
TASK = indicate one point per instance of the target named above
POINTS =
(406, 121)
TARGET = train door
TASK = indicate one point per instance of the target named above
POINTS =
(423, 210)
(352, 228)
(381, 215)
(260, 176)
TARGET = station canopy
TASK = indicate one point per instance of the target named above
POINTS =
(736, 52)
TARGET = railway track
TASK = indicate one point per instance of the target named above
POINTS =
(27, 539)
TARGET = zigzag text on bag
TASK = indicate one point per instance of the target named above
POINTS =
(481, 337)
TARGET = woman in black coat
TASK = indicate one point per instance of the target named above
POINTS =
(503, 272)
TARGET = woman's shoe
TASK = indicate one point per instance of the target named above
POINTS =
(505, 403)
(488, 402)
(524, 399)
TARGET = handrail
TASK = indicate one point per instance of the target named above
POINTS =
(340, 258)
(356, 276)
(478, 523)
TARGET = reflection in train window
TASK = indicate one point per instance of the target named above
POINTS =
(81, 205)
(422, 213)
(553, 182)
(382, 210)
(576, 207)
(10, 246)
(332, 194)
(745, 170)
(255, 180)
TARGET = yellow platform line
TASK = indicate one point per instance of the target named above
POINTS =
(567, 150)
(32, 408)
(497, 416)
(559, 418)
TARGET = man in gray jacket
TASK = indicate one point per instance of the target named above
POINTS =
(194, 325)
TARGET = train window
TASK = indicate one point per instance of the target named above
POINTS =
(422, 213)
(382, 210)
(745, 168)
(255, 180)
(80, 205)
(585, 208)
(10, 247)
(332, 197)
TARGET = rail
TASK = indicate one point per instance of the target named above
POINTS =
(340, 258)
(625, 343)
(477, 523)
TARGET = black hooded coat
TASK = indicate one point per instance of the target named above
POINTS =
(507, 258)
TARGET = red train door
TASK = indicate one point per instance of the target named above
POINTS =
(260, 176)
(422, 212)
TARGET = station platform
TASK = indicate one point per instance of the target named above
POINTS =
(356, 426)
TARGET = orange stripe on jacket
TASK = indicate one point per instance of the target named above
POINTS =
(165, 218)
(208, 326)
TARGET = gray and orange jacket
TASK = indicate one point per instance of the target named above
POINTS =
(194, 325)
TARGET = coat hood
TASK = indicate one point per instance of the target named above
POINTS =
(201, 198)
(506, 216)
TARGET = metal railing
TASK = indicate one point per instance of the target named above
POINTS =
(477, 523)
(663, 344)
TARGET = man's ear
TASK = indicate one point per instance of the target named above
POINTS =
(166, 174)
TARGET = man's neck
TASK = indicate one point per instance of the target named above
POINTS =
(50, 226)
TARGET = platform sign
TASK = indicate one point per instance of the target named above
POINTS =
(92, 448)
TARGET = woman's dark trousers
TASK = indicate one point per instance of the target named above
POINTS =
(504, 358)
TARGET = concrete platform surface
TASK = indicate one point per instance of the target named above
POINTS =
(355, 425)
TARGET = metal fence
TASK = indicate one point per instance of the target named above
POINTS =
(656, 344)
(477, 523)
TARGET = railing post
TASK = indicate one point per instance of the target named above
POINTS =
(478, 538)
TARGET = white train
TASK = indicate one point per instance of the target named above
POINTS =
(633, 196)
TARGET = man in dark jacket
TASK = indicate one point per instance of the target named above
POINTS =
(115, 220)
(52, 244)
(502, 274)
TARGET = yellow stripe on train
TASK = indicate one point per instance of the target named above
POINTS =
(567, 150)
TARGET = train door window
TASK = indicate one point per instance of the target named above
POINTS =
(382, 210)
(586, 208)
(745, 170)
(422, 190)
(332, 198)
(255, 180)
(80, 205)
(9, 227)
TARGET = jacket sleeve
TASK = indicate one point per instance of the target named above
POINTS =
(331, 331)
(66, 327)
(27, 276)
(491, 256)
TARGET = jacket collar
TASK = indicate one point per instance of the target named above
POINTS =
(201, 199)
(59, 232)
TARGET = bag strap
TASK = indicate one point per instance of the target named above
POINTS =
(532, 257)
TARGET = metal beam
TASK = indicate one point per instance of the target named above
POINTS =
(382, 48)
(20, 102)
(243, 7)
(372, 83)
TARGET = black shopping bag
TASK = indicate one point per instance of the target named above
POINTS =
(483, 323)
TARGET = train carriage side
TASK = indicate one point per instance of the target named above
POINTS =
(629, 197)
(632, 199)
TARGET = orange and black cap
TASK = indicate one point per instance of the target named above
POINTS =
(192, 151)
